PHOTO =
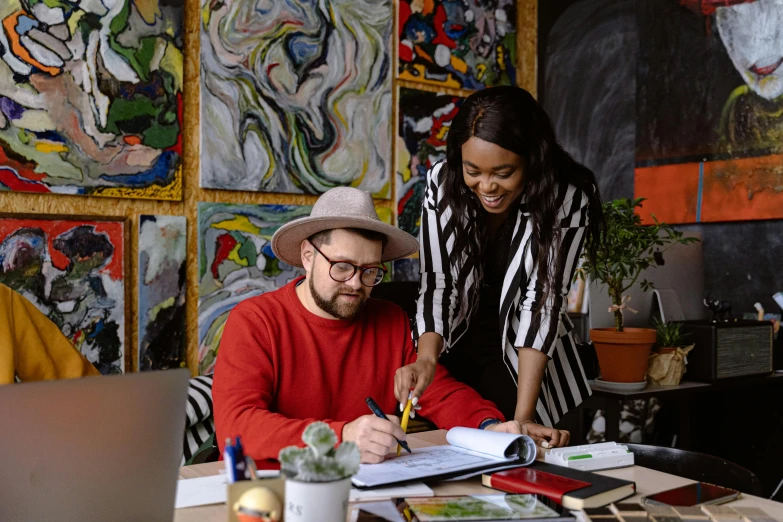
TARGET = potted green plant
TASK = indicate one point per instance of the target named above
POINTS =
(669, 337)
(667, 365)
(626, 249)
(318, 476)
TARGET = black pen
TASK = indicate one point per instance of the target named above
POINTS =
(377, 411)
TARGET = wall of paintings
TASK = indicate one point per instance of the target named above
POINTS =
(149, 151)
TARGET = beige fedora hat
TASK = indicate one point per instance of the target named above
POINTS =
(340, 207)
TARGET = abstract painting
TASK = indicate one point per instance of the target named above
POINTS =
(588, 50)
(454, 43)
(235, 263)
(424, 121)
(709, 128)
(387, 216)
(91, 97)
(73, 271)
(296, 96)
(161, 295)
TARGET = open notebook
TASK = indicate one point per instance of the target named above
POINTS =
(469, 452)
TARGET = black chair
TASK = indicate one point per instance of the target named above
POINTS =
(696, 466)
(401, 293)
(404, 295)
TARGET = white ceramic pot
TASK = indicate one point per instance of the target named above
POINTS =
(321, 501)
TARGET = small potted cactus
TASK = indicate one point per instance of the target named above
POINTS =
(319, 475)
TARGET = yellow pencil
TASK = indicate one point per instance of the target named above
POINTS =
(404, 421)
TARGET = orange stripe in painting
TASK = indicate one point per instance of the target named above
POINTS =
(671, 192)
(420, 52)
(20, 51)
(743, 189)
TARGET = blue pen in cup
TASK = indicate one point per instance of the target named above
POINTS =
(234, 458)
(228, 460)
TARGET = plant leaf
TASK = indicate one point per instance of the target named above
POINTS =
(290, 459)
(319, 469)
(349, 457)
(320, 437)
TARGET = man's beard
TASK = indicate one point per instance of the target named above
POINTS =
(333, 307)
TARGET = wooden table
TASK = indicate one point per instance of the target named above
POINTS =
(647, 482)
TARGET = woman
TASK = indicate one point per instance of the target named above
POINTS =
(503, 223)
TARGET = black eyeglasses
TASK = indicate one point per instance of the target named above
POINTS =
(342, 271)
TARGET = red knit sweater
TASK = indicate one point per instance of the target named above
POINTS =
(281, 367)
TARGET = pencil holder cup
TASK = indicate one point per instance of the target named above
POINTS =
(323, 501)
(256, 500)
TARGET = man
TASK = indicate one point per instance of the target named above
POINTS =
(316, 348)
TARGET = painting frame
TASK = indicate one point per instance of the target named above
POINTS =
(230, 234)
(62, 133)
(435, 44)
(320, 116)
(125, 224)
(163, 276)
(409, 164)
(708, 124)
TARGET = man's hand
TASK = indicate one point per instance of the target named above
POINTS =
(418, 375)
(546, 437)
(505, 427)
(374, 436)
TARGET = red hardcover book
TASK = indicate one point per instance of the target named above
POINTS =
(537, 482)
(572, 488)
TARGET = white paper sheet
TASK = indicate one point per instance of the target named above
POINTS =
(408, 491)
(385, 510)
(422, 463)
(469, 449)
(201, 491)
(500, 445)
(204, 491)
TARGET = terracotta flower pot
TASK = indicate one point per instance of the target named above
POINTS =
(664, 351)
(622, 356)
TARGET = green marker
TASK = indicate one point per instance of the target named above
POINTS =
(577, 457)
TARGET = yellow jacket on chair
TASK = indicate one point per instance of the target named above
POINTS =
(32, 347)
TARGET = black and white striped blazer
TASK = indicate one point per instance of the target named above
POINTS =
(448, 296)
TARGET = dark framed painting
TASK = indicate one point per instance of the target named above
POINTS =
(73, 270)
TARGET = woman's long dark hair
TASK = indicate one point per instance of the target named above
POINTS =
(512, 119)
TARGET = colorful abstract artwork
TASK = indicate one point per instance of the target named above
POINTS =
(91, 97)
(424, 121)
(236, 262)
(73, 271)
(709, 129)
(161, 295)
(296, 96)
(454, 43)
(387, 216)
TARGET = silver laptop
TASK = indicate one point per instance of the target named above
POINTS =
(92, 449)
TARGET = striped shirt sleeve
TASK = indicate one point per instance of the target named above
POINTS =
(541, 330)
(438, 294)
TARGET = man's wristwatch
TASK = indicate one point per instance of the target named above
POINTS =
(488, 422)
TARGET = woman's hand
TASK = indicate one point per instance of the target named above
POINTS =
(417, 375)
(546, 437)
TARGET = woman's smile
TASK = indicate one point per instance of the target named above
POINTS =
(492, 201)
